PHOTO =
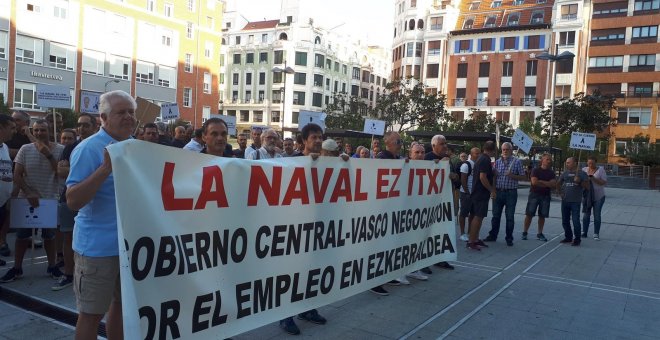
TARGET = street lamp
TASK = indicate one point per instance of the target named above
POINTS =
(105, 87)
(553, 58)
(286, 70)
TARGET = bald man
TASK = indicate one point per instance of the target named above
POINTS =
(180, 138)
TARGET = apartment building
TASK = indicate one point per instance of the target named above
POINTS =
(273, 69)
(161, 50)
(624, 61)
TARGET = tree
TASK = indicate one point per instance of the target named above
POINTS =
(4, 109)
(533, 129)
(583, 113)
(640, 152)
(480, 121)
(407, 104)
(346, 112)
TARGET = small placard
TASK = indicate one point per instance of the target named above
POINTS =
(23, 215)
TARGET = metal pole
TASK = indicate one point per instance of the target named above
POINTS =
(283, 98)
(54, 126)
(552, 95)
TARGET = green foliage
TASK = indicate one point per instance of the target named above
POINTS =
(408, 105)
(533, 129)
(4, 109)
(479, 121)
(583, 113)
(69, 118)
(640, 152)
(346, 112)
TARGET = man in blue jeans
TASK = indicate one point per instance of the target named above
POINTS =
(509, 171)
(596, 198)
(572, 182)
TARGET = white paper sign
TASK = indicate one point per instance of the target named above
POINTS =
(306, 117)
(22, 215)
(169, 111)
(522, 140)
(89, 102)
(230, 120)
(374, 127)
(53, 96)
(583, 141)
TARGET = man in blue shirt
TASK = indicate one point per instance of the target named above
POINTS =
(90, 190)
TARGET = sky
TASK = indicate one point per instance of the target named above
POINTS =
(365, 19)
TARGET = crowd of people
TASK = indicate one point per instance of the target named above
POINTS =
(82, 252)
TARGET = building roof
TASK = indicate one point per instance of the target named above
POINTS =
(258, 25)
(479, 16)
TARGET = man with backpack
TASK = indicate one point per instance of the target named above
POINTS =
(465, 169)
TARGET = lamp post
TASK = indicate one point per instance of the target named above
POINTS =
(554, 58)
(105, 87)
(286, 70)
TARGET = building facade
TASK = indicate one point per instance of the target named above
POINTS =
(162, 51)
(273, 69)
(624, 61)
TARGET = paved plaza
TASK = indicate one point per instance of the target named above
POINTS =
(607, 289)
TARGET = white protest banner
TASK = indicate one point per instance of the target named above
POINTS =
(306, 117)
(212, 247)
(23, 215)
(53, 96)
(89, 102)
(583, 141)
(169, 111)
(230, 120)
(522, 140)
(374, 127)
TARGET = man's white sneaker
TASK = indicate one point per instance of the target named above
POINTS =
(418, 276)
(402, 280)
(596, 237)
(464, 238)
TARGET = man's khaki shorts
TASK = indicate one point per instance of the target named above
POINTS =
(96, 283)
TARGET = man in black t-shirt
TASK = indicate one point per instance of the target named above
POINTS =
(22, 136)
(393, 144)
(483, 190)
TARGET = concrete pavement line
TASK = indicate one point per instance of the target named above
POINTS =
(446, 309)
(478, 265)
(595, 283)
(479, 308)
(477, 268)
(624, 291)
(498, 292)
(530, 252)
(67, 326)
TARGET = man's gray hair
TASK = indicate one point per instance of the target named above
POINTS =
(104, 101)
(22, 115)
(437, 138)
(507, 144)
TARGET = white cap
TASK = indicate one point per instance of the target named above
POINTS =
(330, 145)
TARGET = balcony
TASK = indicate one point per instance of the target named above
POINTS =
(638, 94)
(504, 101)
(481, 102)
(459, 102)
(528, 101)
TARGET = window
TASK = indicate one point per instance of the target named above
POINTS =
(278, 57)
(646, 5)
(507, 69)
(119, 67)
(344, 69)
(464, 46)
(642, 60)
(486, 44)
(640, 89)
(263, 57)
(262, 78)
(513, 19)
(645, 32)
(25, 96)
(509, 43)
(187, 64)
(59, 12)
(29, 50)
(608, 34)
(245, 116)
(409, 49)
(234, 79)
(301, 58)
(530, 96)
(248, 78)
(210, 22)
(413, 3)
(277, 77)
(169, 10)
(300, 78)
(264, 38)
(151, 5)
(93, 62)
(518, 2)
(467, 24)
(534, 42)
(502, 116)
(190, 4)
(250, 39)
(298, 98)
(336, 67)
(249, 58)
(144, 73)
(474, 6)
(276, 96)
(434, 47)
(418, 49)
(532, 66)
(317, 99)
(33, 8)
(237, 58)
(166, 76)
(537, 17)
(505, 96)
(187, 94)
(490, 21)
(484, 69)
(611, 9)
(328, 64)
(221, 78)
(189, 30)
(208, 49)
(436, 23)
(318, 80)
(234, 96)
(634, 115)
(258, 116)
(432, 70)
(356, 73)
(461, 71)
(248, 97)
(496, 4)
(275, 116)
(616, 61)
(355, 90)
(3, 45)
(61, 57)
(569, 12)
(237, 40)
(620, 148)
(567, 38)
(318, 60)
(565, 66)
